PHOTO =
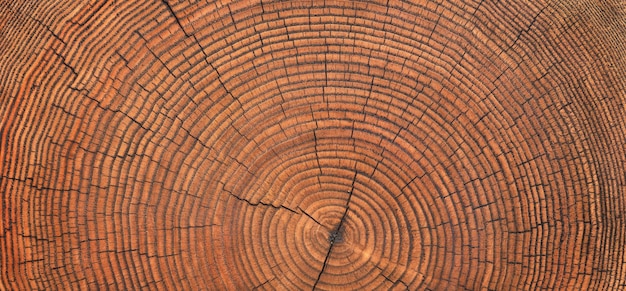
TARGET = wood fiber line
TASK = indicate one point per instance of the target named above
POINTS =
(327, 145)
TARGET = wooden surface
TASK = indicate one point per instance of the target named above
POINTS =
(183, 145)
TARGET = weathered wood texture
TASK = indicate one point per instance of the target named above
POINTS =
(312, 145)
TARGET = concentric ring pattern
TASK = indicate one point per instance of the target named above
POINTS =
(374, 145)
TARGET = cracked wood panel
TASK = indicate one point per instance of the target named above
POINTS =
(212, 145)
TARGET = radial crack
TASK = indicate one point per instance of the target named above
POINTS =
(394, 282)
(335, 235)
(337, 232)
(309, 216)
(330, 249)
(262, 203)
(175, 17)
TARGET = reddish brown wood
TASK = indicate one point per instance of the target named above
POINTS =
(182, 145)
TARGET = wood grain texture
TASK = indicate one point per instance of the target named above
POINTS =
(213, 145)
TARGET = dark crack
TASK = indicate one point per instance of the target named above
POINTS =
(169, 8)
(309, 216)
(317, 157)
(394, 282)
(261, 203)
(263, 284)
(336, 235)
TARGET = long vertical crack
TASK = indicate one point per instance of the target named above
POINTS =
(317, 157)
(336, 234)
